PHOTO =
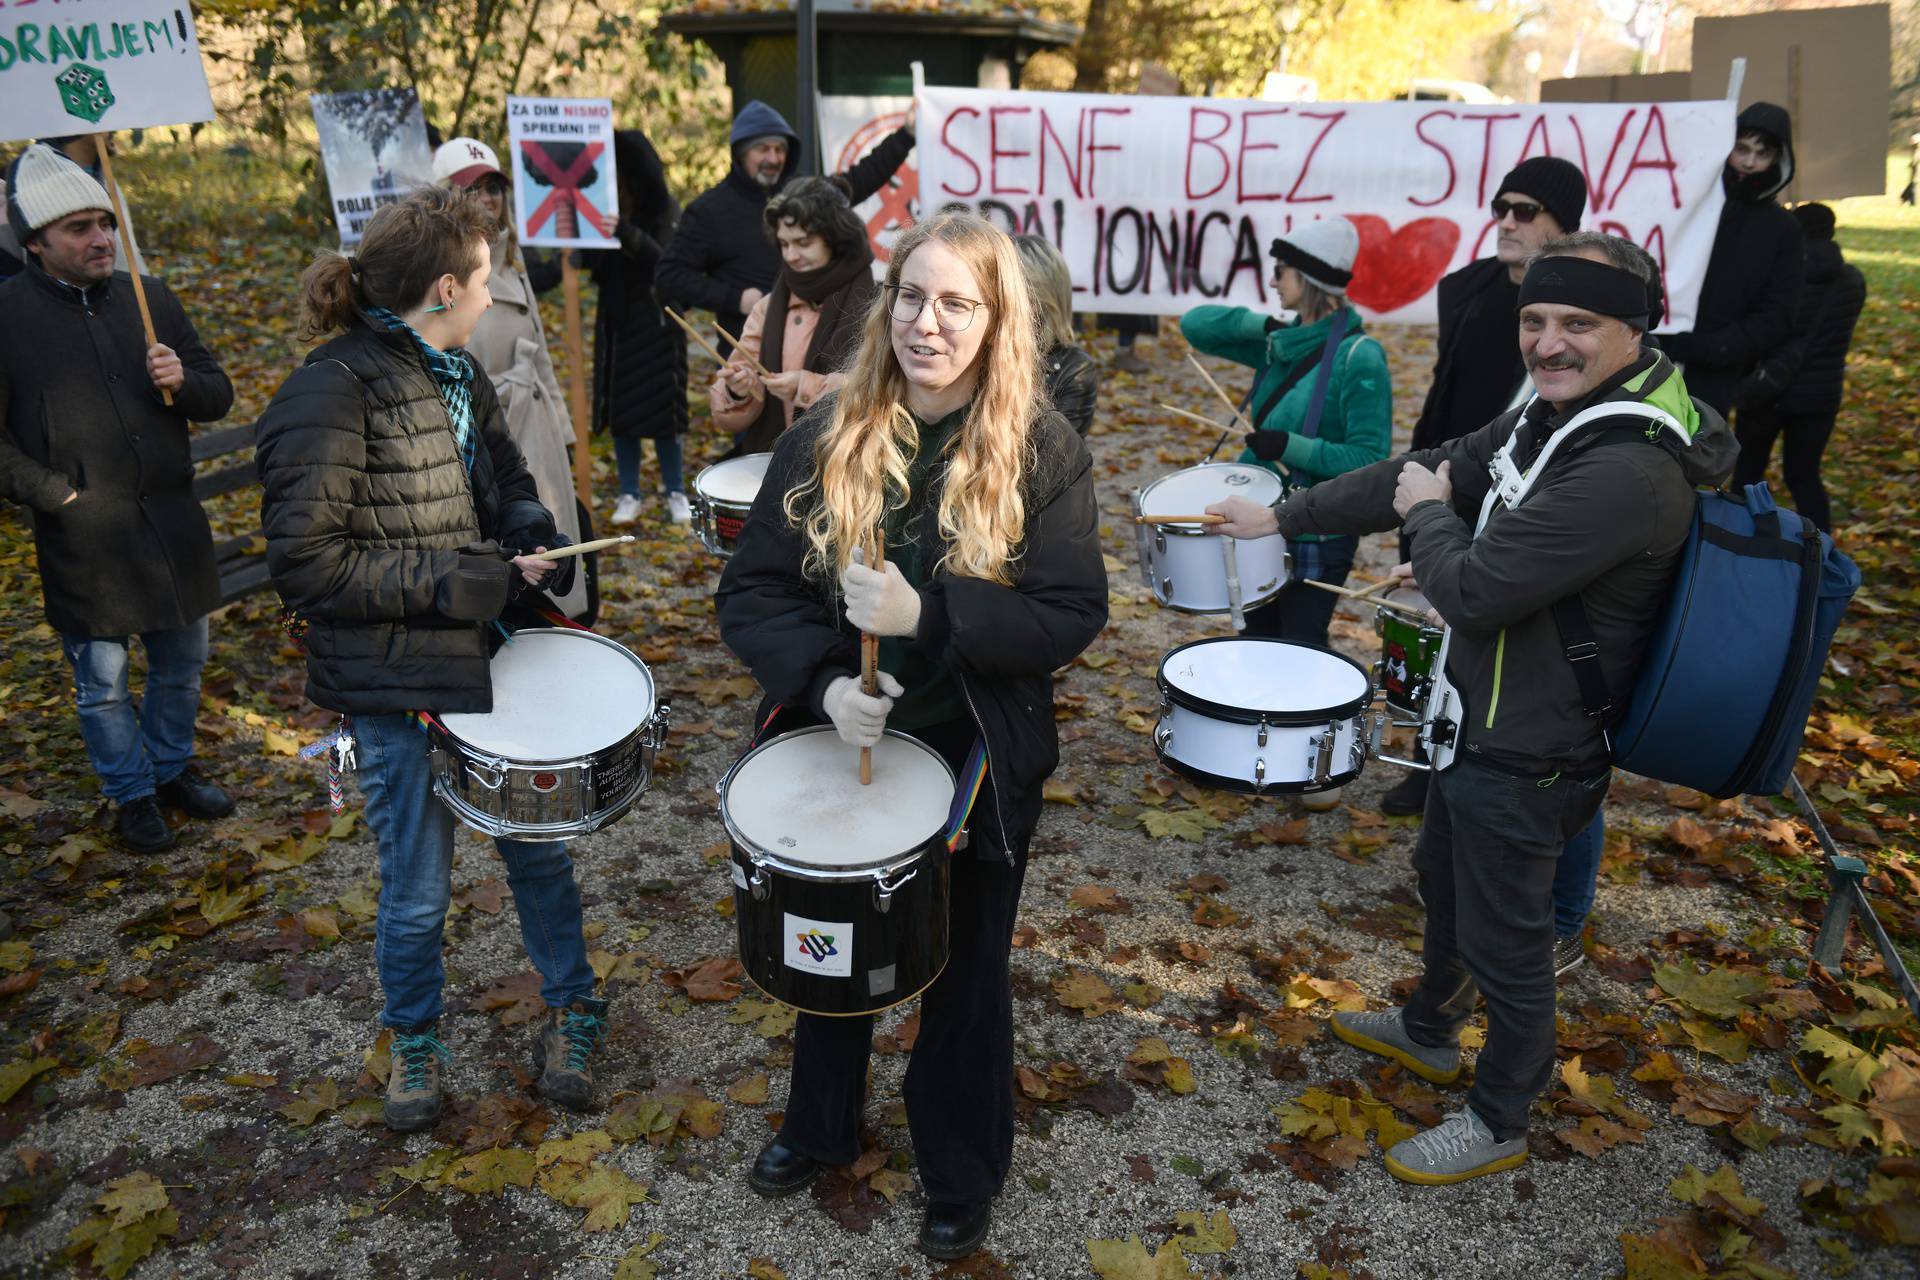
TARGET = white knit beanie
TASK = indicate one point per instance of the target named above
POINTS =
(44, 187)
(1322, 250)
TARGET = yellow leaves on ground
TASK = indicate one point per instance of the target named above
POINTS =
(1153, 1062)
(489, 1172)
(749, 1091)
(134, 1215)
(1323, 1117)
(1129, 1260)
(775, 1019)
(316, 1098)
(1717, 992)
(1179, 824)
(674, 1110)
(635, 1265)
(1085, 992)
(1604, 1120)
(15, 1075)
(1343, 995)
(568, 1171)
(608, 967)
(221, 905)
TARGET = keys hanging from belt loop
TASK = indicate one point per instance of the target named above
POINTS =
(339, 761)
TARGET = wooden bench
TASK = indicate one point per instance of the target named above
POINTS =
(242, 559)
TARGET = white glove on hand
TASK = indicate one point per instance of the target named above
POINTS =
(859, 719)
(879, 601)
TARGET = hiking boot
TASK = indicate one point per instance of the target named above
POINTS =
(1407, 798)
(1127, 362)
(1568, 954)
(190, 791)
(1458, 1148)
(143, 828)
(414, 1094)
(563, 1049)
(1385, 1033)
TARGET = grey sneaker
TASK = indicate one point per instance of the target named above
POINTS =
(563, 1052)
(1568, 954)
(1384, 1033)
(414, 1095)
(1458, 1148)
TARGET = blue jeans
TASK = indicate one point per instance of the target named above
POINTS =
(1574, 880)
(416, 882)
(667, 451)
(135, 750)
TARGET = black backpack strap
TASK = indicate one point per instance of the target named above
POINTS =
(1286, 384)
(1583, 655)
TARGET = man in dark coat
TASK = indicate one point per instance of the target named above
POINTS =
(1795, 393)
(104, 464)
(1752, 286)
(720, 258)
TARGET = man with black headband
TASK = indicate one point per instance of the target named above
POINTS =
(1604, 517)
(1752, 286)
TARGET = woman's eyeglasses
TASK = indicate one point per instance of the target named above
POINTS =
(1522, 213)
(952, 313)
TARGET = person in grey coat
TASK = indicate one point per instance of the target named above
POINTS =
(93, 449)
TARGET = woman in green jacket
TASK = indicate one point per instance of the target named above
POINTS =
(1354, 426)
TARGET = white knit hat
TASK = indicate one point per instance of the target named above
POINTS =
(1322, 250)
(461, 162)
(44, 187)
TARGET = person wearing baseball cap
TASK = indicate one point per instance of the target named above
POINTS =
(91, 448)
(1477, 370)
(510, 345)
(1323, 406)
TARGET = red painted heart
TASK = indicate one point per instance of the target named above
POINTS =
(1395, 268)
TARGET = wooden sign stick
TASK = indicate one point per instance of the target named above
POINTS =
(577, 381)
(758, 368)
(126, 246)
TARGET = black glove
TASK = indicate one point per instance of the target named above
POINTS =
(1268, 446)
(477, 589)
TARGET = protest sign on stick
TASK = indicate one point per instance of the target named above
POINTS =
(118, 64)
(566, 195)
(850, 127)
(374, 144)
(1160, 204)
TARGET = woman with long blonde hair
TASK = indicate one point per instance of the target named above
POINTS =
(937, 502)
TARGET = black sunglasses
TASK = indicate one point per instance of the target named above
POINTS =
(1522, 213)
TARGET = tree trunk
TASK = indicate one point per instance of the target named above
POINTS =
(1093, 56)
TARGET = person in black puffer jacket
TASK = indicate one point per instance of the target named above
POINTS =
(401, 521)
(1752, 286)
(1795, 394)
(979, 600)
(1069, 374)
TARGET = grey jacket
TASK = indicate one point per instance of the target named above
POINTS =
(1606, 519)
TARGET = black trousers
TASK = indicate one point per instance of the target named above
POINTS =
(1804, 439)
(959, 1085)
(1299, 612)
(1489, 847)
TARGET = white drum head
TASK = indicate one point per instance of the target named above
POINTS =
(557, 695)
(1264, 675)
(799, 798)
(1190, 492)
(737, 480)
(1409, 601)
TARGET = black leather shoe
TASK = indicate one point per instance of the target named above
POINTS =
(781, 1171)
(1407, 797)
(193, 793)
(143, 828)
(953, 1231)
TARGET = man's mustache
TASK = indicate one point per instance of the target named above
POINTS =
(1565, 360)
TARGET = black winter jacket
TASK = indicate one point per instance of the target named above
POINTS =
(1752, 286)
(1807, 374)
(1002, 643)
(376, 532)
(1477, 365)
(1073, 384)
(133, 551)
(639, 356)
(721, 248)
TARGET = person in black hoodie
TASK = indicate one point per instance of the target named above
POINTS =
(992, 579)
(719, 258)
(1795, 393)
(401, 525)
(1752, 286)
(639, 356)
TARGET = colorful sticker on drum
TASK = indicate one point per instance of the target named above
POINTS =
(822, 947)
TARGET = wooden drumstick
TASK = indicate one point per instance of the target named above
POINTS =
(1378, 587)
(869, 678)
(1200, 519)
(581, 548)
(1225, 399)
(694, 333)
(1348, 592)
(1197, 417)
(758, 368)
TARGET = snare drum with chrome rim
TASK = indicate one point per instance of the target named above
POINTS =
(1195, 571)
(1245, 713)
(722, 496)
(840, 890)
(1409, 642)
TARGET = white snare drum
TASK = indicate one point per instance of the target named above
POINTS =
(568, 746)
(722, 496)
(1195, 571)
(840, 890)
(1250, 714)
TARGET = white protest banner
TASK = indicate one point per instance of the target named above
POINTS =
(849, 128)
(564, 190)
(374, 143)
(1160, 204)
(99, 67)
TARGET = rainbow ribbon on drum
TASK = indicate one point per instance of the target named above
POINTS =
(972, 774)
